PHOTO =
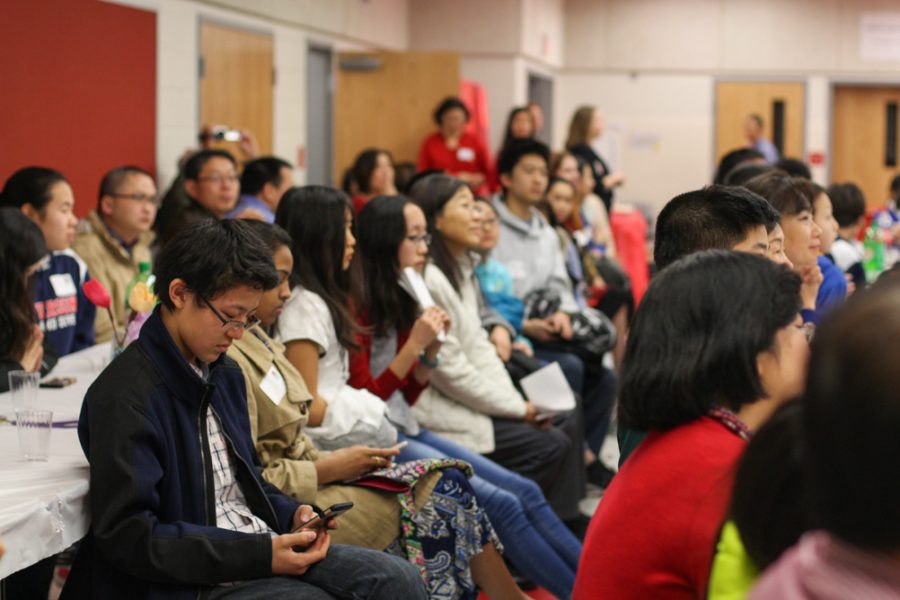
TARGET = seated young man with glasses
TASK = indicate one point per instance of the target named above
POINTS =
(179, 507)
(114, 239)
(212, 186)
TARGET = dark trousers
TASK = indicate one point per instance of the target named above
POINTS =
(548, 457)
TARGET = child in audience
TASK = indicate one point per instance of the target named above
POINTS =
(178, 505)
(715, 348)
(497, 286)
(448, 524)
(849, 209)
(393, 235)
(64, 313)
(373, 173)
(317, 326)
(793, 198)
(850, 420)
(22, 249)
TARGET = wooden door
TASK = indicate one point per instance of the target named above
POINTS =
(236, 82)
(386, 100)
(864, 141)
(782, 106)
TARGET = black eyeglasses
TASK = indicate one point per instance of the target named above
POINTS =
(230, 325)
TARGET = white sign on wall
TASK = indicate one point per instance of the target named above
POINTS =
(879, 36)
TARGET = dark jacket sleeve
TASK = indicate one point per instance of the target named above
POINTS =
(124, 447)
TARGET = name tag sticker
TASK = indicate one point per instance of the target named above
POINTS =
(273, 386)
(465, 154)
(63, 285)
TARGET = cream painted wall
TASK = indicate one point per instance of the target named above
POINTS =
(341, 25)
(651, 65)
(659, 130)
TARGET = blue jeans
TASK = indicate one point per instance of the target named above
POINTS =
(346, 573)
(534, 538)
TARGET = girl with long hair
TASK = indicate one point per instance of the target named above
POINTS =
(442, 516)
(63, 311)
(392, 236)
(22, 249)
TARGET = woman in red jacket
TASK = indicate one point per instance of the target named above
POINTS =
(452, 150)
(717, 345)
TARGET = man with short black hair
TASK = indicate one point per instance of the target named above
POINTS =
(263, 183)
(529, 248)
(114, 239)
(715, 217)
(211, 184)
(178, 504)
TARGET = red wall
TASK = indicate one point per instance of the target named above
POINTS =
(77, 90)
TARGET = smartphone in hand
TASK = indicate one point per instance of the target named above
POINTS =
(319, 520)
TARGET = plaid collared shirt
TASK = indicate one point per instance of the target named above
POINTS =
(232, 511)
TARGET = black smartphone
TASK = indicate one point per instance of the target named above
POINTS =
(319, 520)
(57, 382)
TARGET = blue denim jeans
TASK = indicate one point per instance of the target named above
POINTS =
(346, 573)
(539, 545)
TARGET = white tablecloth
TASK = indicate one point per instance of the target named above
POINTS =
(43, 505)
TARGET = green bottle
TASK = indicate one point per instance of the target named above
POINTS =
(873, 248)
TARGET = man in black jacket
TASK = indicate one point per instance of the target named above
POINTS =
(179, 507)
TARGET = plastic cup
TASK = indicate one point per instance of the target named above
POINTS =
(23, 386)
(34, 427)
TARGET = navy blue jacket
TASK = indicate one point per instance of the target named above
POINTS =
(67, 320)
(143, 429)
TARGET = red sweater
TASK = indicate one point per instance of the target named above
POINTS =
(387, 383)
(469, 157)
(655, 530)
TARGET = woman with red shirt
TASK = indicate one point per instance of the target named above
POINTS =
(452, 150)
(717, 345)
(373, 173)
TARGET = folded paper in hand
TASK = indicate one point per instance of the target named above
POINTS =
(411, 281)
(548, 390)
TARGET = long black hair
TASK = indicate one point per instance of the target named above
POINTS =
(381, 228)
(21, 246)
(30, 185)
(694, 341)
(315, 218)
(431, 194)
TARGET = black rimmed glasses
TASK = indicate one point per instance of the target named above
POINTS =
(230, 325)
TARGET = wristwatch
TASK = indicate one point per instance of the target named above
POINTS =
(431, 364)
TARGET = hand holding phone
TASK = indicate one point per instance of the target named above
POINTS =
(321, 518)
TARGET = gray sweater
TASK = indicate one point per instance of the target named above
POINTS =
(530, 250)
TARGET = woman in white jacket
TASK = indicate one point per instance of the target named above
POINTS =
(471, 399)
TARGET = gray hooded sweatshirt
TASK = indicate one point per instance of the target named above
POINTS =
(530, 251)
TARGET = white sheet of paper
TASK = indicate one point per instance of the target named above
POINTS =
(273, 386)
(548, 390)
(412, 281)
